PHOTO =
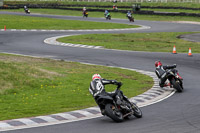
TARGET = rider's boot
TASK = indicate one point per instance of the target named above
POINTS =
(168, 84)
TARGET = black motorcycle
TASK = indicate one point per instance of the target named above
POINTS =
(85, 14)
(117, 106)
(108, 16)
(27, 11)
(131, 19)
(175, 79)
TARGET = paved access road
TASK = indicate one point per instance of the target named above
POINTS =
(178, 114)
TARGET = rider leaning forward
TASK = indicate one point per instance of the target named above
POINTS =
(161, 73)
(97, 86)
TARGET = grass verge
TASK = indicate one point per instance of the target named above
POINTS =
(172, 10)
(35, 86)
(113, 14)
(153, 42)
(150, 4)
(27, 22)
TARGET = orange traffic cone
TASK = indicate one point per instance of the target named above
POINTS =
(190, 52)
(4, 27)
(174, 50)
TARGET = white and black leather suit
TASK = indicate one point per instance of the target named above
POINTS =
(97, 86)
(161, 73)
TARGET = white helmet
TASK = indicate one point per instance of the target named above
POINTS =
(96, 76)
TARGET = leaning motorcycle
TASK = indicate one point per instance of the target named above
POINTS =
(107, 16)
(131, 19)
(27, 11)
(117, 106)
(175, 79)
(85, 14)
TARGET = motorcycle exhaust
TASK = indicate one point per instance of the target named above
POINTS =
(130, 113)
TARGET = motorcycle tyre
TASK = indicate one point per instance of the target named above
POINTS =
(110, 113)
(176, 86)
(131, 20)
(109, 18)
(137, 111)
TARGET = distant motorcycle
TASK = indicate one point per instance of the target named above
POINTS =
(117, 106)
(107, 16)
(175, 79)
(131, 19)
(27, 11)
(85, 14)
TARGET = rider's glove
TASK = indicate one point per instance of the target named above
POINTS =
(174, 65)
(119, 83)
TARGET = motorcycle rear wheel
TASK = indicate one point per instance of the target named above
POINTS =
(113, 113)
(176, 85)
(137, 112)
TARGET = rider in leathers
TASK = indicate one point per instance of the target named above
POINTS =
(97, 86)
(161, 73)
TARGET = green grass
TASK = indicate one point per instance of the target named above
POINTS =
(70, 13)
(27, 22)
(172, 10)
(35, 86)
(113, 14)
(144, 9)
(153, 42)
(152, 4)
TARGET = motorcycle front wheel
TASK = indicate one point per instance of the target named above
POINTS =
(137, 112)
(176, 85)
(113, 113)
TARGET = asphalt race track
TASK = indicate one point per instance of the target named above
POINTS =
(177, 114)
(191, 37)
